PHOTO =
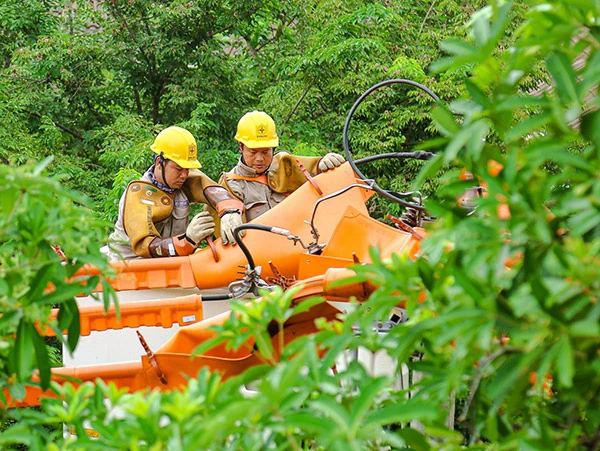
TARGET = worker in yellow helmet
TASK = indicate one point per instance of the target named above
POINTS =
(154, 211)
(262, 178)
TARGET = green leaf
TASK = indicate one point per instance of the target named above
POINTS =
(42, 165)
(109, 294)
(457, 144)
(21, 434)
(491, 426)
(458, 48)
(402, 413)
(67, 311)
(520, 102)
(506, 377)
(4, 288)
(43, 362)
(443, 64)
(550, 151)
(365, 400)
(444, 120)
(591, 75)
(590, 127)
(477, 94)
(308, 422)
(307, 304)
(63, 293)
(526, 128)
(478, 133)
(583, 222)
(73, 325)
(565, 81)
(565, 368)
(39, 283)
(414, 439)
(464, 281)
(331, 409)
(481, 30)
(22, 355)
(429, 170)
(585, 328)
(264, 343)
(17, 391)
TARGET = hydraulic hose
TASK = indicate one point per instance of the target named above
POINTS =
(396, 197)
(247, 254)
(265, 228)
(243, 247)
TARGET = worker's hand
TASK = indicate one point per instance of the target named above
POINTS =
(229, 221)
(201, 226)
(330, 161)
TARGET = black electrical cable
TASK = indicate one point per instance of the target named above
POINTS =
(418, 155)
(217, 297)
(243, 247)
(385, 193)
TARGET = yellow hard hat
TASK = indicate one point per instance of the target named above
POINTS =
(177, 144)
(257, 130)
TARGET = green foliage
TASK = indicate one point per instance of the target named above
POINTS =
(503, 303)
(108, 76)
(299, 404)
(22, 24)
(37, 214)
(546, 221)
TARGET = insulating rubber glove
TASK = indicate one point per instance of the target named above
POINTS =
(330, 161)
(201, 226)
(229, 221)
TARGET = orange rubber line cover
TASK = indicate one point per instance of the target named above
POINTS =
(182, 310)
(147, 273)
(123, 375)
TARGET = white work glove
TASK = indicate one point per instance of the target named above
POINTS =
(229, 221)
(330, 161)
(201, 226)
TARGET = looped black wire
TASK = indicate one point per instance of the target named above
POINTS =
(385, 193)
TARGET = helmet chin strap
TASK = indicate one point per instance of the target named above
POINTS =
(162, 163)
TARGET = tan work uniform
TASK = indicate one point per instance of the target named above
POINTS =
(147, 213)
(260, 193)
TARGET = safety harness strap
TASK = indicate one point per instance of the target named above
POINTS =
(260, 179)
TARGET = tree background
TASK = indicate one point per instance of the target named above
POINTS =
(505, 304)
(93, 82)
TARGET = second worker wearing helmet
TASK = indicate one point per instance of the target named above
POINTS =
(262, 178)
(154, 211)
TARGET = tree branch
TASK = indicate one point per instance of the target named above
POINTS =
(64, 128)
(484, 363)
(132, 35)
(287, 119)
(425, 18)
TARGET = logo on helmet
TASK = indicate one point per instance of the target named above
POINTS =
(192, 150)
(261, 131)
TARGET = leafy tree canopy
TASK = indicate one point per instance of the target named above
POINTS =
(503, 303)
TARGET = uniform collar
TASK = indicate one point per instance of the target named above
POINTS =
(247, 171)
